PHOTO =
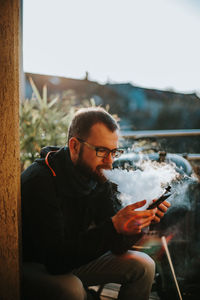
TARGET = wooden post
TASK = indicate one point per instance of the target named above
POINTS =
(9, 150)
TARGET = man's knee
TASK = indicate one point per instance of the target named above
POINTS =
(140, 265)
(148, 266)
(70, 288)
(139, 275)
(39, 284)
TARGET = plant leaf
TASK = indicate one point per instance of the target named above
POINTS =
(35, 90)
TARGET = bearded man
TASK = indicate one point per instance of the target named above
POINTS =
(75, 232)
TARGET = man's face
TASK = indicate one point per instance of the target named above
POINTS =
(100, 136)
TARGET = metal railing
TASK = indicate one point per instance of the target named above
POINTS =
(139, 134)
(159, 133)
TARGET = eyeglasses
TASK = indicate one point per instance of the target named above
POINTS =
(103, 152)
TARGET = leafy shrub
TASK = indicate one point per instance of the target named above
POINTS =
(43, 122)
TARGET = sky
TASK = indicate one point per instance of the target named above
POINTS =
(149, 43)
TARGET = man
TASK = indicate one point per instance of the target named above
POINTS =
(75, 233)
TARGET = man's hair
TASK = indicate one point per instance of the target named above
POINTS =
(85, 118)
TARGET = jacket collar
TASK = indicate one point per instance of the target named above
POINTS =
(65, 173)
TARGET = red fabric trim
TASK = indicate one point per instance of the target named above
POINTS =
(47, 163)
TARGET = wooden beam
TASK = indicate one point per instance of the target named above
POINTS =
(9, 150)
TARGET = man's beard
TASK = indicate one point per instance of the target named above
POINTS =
(89, 173)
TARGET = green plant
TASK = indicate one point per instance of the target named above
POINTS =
(43, 122)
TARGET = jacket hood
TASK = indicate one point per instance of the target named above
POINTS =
(45, 150)
(59, 163)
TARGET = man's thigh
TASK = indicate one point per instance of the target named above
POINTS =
(38, 284)
(116, 268)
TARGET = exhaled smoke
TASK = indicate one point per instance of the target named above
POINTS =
(148, 182)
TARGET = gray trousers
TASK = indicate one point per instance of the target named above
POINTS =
(133, 270)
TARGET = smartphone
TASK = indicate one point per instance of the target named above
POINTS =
(162, 198)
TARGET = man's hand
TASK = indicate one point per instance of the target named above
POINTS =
(162, 208)
(128, 221)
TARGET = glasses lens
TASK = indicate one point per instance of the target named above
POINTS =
(102, 152)
(117, 153)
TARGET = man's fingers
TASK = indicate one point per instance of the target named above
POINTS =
(160, 213)
(137, 204)
(141, 221)
(164, 206)
(166, 203)
(156, 220)
(146, 224)
(138, 221)
(138, 228)
(145, 213)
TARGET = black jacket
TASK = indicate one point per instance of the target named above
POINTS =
(66, 221)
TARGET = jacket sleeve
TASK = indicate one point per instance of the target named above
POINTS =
(44, 236)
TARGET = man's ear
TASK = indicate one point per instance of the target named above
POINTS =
(74, 148)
